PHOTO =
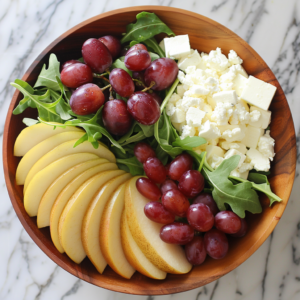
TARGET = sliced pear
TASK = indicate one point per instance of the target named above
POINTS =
(33, 135)
(44, 178)
(67, 149)
(91, 227)
(38, 151)
(49, 197)
(70, 222)
(167, 257)
(134, 254)
(65, 196)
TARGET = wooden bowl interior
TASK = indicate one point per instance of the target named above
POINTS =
(205, 35)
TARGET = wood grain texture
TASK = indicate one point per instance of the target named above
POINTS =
(205, 35)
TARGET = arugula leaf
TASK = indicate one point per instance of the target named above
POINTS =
(119, 63)
(154, 46)
(135, 167)
(188, 143)
(240, 197)
(146, 26)
(29, 122)
(47, 77)
(199, 158)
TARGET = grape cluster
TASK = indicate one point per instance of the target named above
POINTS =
(202, 227)
(143, 103)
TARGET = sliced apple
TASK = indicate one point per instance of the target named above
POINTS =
(64, 149)
(134, 254)
(42, 148)
(33, 135)
(70, 222)
(167, 257)
(49, 197)
(65, 196)
(43, 179)
(91, 227)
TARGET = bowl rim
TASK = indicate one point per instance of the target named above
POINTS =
(42, 246)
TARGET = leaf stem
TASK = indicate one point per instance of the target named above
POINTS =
(169, 94)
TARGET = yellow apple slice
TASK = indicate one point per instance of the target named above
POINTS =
(44, 178)
(49, 197)
(134, 254)
(70, 222)
(65, 196)
(67, 149)
(167, 257)
(33, 135)
(38, 151)
(91, 227)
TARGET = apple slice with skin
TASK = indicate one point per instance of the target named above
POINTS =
(134, 254)
(65, 196)
(70, 221)
(167, 257)
(91, 227)
(64, 149)
(44, 178)
(49, 197)
(33, 135)
(38, 151)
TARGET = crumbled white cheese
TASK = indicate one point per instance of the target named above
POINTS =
(178, 116)
(215, 161)
(264, 120)
(187, 131)
(216, 60)
(233, 152)
(266, 145)
(170, 109)
(233, 58)
(225, 96)
(238, 146)
(255, 116)
(209, 131)
(259, 161)
(233, 135)
(194, 116)
(193, 59)
(222, 113)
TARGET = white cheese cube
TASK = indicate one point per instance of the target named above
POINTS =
(213, 150)
(213, 142)
(209, 131)
(178, 46)
(233, 152)
(198, 90)
(264, 120)
(255, 118)
(259, 161)
(174, 98)
(192, 59)
(170, 109)
(236, 134)
(238, 146)
(227, 127)
(215, 161)
(180, 90)
(187, 131)
(245, 167)
(266, 145)
(207, 108)
(243, 104)
(226, 96)
(258, 93)
(194, 116)
(178, 116)
(252, 136)
(239, 83)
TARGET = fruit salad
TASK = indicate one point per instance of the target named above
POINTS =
(145, 156)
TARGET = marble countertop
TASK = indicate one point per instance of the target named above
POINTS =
(271, 27)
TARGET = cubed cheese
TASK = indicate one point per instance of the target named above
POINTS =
(215, 161)
(192, 59)
(255, 118)
(180, 90)
(236, 134)
(178, 116)
(245, 167)
(170, 109)
(213, 150)
(258, 93)
(266, 145)
(259, 161)
(252, 136)
(225, 96)
(174, 98)
(194, 116)
(178, 46)
(187, 131)
(209, 131)
(198, 90)
(239, 82)
(233, 152)
(238, 146)
(227, 127)
(264, 120)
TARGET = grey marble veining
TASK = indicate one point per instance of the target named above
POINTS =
(272, 28)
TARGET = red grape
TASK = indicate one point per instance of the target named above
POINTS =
(143, 151)
(177, 233)
(69, 63)
(157, 98)
(148, 189)
(87, 99)
(243, 230)
(75, 75)
(96, 55)
(180, 165)
(155, 170)
(137, 60)
(228, 222)
(115, 117)
(168, 185)
(139, 76)
(200, 217)
(156, 212)
(191, 183)
(143, 108)
(175, 202)
(121, 82)
(209, 201)
(137, 47)
(163, 72)
(195, 251)
(216, 243)
(113, 45)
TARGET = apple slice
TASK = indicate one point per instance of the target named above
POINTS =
(167, 257)
(49, 197)
(64, 149)
(70, 222)
(134, 254)
(44, 178)
(33, 135)
(38, 151)
(66, 194)
(91, 227)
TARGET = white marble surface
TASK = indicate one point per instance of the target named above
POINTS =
(271, 27)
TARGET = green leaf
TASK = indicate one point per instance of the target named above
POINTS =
(240, 197)
(29, 122)
(146, 26)
(119, 63)
(48, 76)
(135, 138)
(62, 108)
(154, 46)
(189, 143)
(135, 167)
(161, 155)
(153, 56)
(148, 130)
(198, 158)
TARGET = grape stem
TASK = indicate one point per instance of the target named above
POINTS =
(101, 76)
(149, 87)
(110, 94)
(104, 88)
(107, 71)
(139, 82)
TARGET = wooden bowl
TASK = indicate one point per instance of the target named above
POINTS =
(205, 35)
